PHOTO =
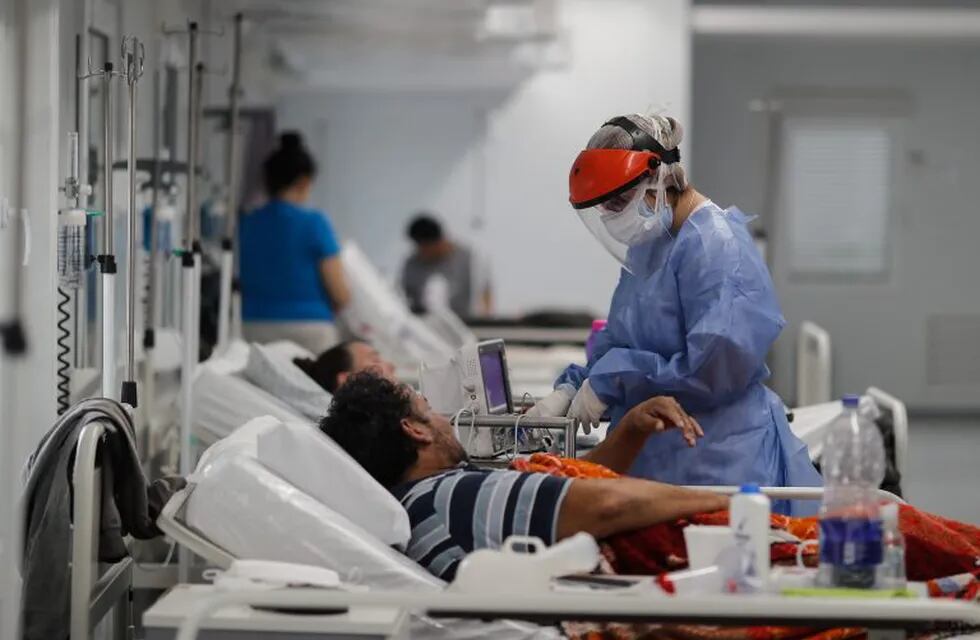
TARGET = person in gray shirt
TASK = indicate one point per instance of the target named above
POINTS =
(442, 272)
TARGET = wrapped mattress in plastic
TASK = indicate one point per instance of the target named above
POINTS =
(315, 464)
(252, 513)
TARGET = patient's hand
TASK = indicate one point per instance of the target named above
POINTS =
(659, 414)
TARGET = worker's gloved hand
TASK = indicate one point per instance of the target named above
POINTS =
(553, 405)
(587, 408)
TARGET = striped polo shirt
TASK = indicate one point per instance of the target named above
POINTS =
(468, 508)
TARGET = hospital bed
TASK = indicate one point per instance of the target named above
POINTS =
(216, 518)
(224, 400)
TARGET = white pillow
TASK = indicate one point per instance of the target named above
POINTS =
(289, 349)
(315, 464)
(275, 372)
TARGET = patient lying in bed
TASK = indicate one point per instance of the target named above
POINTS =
(334, 366)
(455, 507)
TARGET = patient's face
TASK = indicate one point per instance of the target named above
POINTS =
(364, 357)
(443, 436)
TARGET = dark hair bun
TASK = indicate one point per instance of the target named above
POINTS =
(287, 164)
(291, 140)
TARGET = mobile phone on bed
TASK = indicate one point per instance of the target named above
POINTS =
(603, 582)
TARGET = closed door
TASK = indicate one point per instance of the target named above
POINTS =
(838, 248)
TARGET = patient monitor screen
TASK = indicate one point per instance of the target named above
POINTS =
(494, 381)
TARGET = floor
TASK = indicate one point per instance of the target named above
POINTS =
(943, 474)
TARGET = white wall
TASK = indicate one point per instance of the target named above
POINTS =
(495, 164)
(880, 330)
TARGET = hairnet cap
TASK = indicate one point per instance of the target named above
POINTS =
(600, 174)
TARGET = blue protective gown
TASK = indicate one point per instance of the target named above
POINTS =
(695, 320)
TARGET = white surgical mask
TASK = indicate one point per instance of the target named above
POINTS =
(638, 222)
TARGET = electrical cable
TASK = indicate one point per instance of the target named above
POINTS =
(517, 424)
(64, 365)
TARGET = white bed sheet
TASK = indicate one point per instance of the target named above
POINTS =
(224, 401)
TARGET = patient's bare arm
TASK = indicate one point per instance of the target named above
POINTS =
(621, 446)
(607, 507)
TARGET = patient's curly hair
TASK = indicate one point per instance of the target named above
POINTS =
(365, 420)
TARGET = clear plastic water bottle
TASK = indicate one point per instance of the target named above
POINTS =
(891, 572)
(853, 465)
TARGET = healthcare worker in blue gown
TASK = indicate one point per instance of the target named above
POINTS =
(693, 317)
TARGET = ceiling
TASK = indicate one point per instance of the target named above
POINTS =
(338, 42)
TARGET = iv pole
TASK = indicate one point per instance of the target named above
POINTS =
(231, 214)
(190, 266)
(107, 261)
(149, 321)
(133, 56)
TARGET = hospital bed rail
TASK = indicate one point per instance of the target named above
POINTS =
(789, 493)
(94, 595)
(814, 367)
(887, 618)
(900, 425)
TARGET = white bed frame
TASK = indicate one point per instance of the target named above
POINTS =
(886, 618)
(889, 618)
(95, 593)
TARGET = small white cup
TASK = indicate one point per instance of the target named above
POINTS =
(705, 544)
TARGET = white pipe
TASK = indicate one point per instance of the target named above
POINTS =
(836, 22)
(186, 379)
(814, 366)
(231, 212)
(788, 493)
(236, 314)
(196, 307)
(224, 302)
(10, 519)
(109, 386)
(900, 426)
(84, 535)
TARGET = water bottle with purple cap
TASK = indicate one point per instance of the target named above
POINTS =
(853, 464)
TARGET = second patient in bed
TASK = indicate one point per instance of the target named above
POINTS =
(332, 367)
(456, 507)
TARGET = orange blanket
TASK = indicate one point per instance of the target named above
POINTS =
(935, 547)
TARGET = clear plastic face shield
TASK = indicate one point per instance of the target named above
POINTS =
(618, 198)
(620, 222)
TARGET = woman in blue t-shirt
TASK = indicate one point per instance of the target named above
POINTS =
(292, 279)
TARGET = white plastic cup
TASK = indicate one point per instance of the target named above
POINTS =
(705, 543)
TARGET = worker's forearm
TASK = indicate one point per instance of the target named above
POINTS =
(340, 298)
(606, 507)
(619, 450)
(335, 283)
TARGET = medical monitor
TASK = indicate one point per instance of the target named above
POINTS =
(495, 378)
